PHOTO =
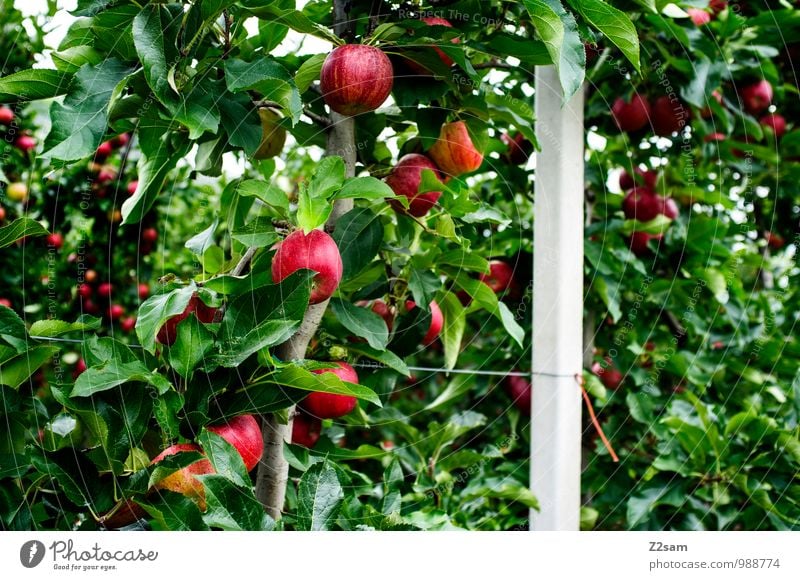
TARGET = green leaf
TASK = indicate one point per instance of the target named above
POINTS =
(173, 512)
(148, 38)
(423, 285)
(359, 236)
(224, 457)
(199, 243)
(362, 322)
(239, 118)
(385, 357)
(34, 84)
(17, 369)
(12, 329)
(52, 328)
(18, 229)
(294, 19)
(91, 7)
(328, 177)
(559, 31)
(79, 123)
(233, 507)
(312, 212)
(114, 373)
(270, 195)
(319, 497)
(299, 378)
(155, 311)
(192, 343)
(73, 58)
(258, 233)
(309, 72)
(455, 323)
(236, 350)
(487, 299)
(267, 77)
(364, 188)
(614, 24)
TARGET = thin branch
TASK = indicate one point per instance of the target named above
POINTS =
(321, 120)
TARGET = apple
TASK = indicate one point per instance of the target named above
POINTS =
(128, 324)
(714, 137)
(638, 243)
(55, 240)
(244, 433)
(313, 251)
(104, 290)
(90, 276)
(184, 481)
(143, 290)
(446, 60)
(120, 140)
(5, 302)
(405, 179)
(273, 135)
(774, 123)
(150, 235)
(80, 367)
(453, 152)
(106, 175)
(699, 17)
(706, 112)
(499, 278)
(2, 213)
(382, 309)
(103, 151)
(641, 204)
(168, 333)
(437, 321)
(669, 207)
(520, 391)
(519, 148)
(355, 79)
(648, 179)
(757, 96)
(17, 191)
(328, 405)
(25, 143)
(608, 374)
(668, 117)
(132, 187)
(306, 430)
(774, 241)
(717, 6)
(6, 116)
(116, 311)
(631, 115)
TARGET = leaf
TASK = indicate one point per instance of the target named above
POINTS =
(52, 328)
(487, 299)
(34, 84)
(79, 123)
(559, 31)
(385, 357)
(234, 352)
(299, 378)
(364, 188)
(224, 457)
(392, 486)
(233, 507)
(18, 229)
(192, 343)
(16, 370)
(270, 195)
(309, 72)
(319, 497)
(312, 212)
(148, 38)
(258, 233)
(267, 77)
(455, 323)
(173, 512)
(73, 58)
(239, 118)
(423, 285)
(294, 19)
(155, 311)
(114, 373)
(362, 322)
(91, 7)
(199, 243)
(12, 329)
(359, 236)
(328, 177)
(614, 24)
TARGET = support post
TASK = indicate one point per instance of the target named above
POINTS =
(557, 307)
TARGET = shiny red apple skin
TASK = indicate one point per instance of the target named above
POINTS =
(131, 187)
(116, 311)
(356, 79)
(6, 116)
(774, 123)
(641, 204)
(454, 152)
(638, 243)
(150, 235)
(244, 433)
(103, 151)
(520, 391)
(306, 430)
(143, 290)
(313, 251)
(405, 179)
(633, 115)
(382, 309)
(437, 321)
(648, 179)
(328, 405)
(499, 278)
(55, 240)
(668, 116)
(128, 324)
(757, 97)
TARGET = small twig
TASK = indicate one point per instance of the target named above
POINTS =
(495, 63)
(321, 120)
(244, 262)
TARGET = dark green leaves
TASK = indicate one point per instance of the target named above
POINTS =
(34, 84)
(80, 122)
(155, 311)
(362, 322)
(115, 373)
(148, 37)
(613, 23)
(18, 229)
(268, 78)
(359, 235)
(299, 378)
(232, 507)
(319, 497)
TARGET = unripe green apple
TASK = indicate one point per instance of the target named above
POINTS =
(273, 135)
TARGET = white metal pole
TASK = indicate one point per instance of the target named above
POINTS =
(557, 307)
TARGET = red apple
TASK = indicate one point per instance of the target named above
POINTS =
(244, 433)
(699, 17)
(132, 187)
(499, 278)
(717, 6)
(382, 309)
(80, 367)
(437, 321)
(116, 311)
(104, 290)
(356, 78)
(2, 213)
(648, 179)
(453, 152)
(631, 116)
(150, 235)
(669, 207)
(668, 117)
(608, 374)
(520, 391)
(84, 291)
(313, 251)
(184, 481)
(757, 96)
(774, 123)
(405, 179)
(107, 175)
(327, 405)
(103, 151)
(168, 333)
(641, 204)
(25, 143)
(306, 430)
(120, 140)
(55, 240)
(17, 191)
(6, 116)
(5, 302)
(638, 243)
(128, 324)
(90, 307)
(774, 241)
(143, 290)
(519, 148)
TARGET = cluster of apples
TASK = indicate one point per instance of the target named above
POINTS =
(24, 142)
(97, 298)
(665, 115)
(643, 204)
